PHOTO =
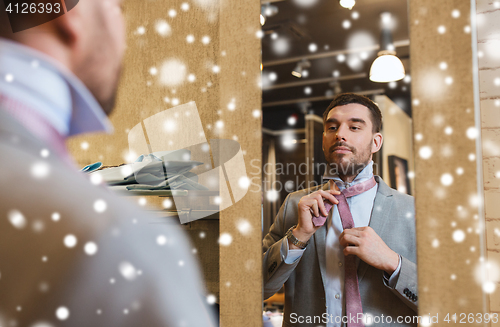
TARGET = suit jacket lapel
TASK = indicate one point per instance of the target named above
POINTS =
(319, 242)
(381, 214)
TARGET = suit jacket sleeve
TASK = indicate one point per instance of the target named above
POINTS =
(275, 270)
(404, 243)
(406, 287)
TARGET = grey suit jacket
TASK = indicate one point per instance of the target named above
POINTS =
(392, 219)
(132, 280)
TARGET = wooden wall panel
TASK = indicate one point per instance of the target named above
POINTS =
(449, 224)
(241, 263)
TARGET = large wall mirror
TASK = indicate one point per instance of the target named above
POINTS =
(311, 52)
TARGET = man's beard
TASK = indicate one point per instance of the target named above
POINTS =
(104, 90)
(108, 103)
(347, 168)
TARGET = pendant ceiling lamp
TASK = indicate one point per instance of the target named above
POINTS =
(347, 3)
(387, 67)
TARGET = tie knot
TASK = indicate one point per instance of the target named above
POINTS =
(359, 188)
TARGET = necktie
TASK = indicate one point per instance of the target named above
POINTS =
(353, 299)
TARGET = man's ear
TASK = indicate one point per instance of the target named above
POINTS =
(378, 139)
(69, 26)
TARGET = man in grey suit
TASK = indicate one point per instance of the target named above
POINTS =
(71, 252)
(309, 259)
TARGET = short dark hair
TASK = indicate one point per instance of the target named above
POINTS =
(347, 98)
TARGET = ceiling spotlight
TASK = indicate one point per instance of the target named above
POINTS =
(262, 20)
(387, 67)
(266, 11)
(288, 141)
(336, 88)
(304, 107)
(298, 71)
(269, 10)
(347, 3)
(386, 19)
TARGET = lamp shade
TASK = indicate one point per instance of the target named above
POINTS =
(387, 68)
(347, 3)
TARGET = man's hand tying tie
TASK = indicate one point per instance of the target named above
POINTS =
(364, 243)
(309, 205)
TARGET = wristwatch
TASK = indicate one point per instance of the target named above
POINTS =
(295, 241)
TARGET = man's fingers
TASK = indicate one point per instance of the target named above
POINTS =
(314, 207)
(315, 201)
(310, 204)
(352, 231)
(334, 192)
(334, 200)
(342, 241)
(328, 196)
(351, 250)
(349, 239)
(320, 204)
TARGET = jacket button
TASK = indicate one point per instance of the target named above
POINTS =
(416, 298)
(272, 267)
(406, 290)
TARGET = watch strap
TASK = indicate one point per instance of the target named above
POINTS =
(295, 241)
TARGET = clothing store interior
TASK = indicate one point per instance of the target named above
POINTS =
(219, 118)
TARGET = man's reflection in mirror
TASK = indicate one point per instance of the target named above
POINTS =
(345, 250)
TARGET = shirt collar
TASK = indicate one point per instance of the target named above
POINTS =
(48, 87)
(364, 175)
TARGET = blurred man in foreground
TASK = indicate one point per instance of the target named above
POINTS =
(72, 253)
